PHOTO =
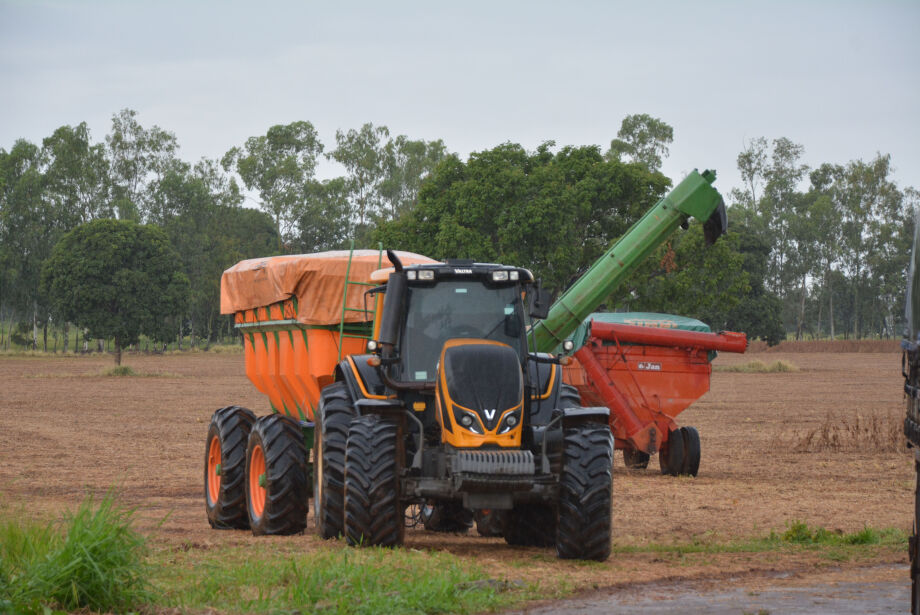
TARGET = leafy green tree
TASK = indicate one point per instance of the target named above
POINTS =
(406, 164)
(138, 156)
(324, 217)
(279, 166)
(76, 176)
(117, 279)
(642, 139)
(553, 212)
(361, 152)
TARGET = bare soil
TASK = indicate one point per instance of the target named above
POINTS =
(65, 429)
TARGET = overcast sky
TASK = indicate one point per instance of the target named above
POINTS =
(841, 78)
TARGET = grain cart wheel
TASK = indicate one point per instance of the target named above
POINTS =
(585, 494)
(276, 476)
(530, 525)
(373, 514)
(671, 455)
(691, 465)
(448, 517)
(336, 412)
(225, 467)
(635, 459)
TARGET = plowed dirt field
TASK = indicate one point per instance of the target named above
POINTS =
(65, 429)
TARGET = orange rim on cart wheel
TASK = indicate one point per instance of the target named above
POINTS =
(214, 471)
(257, 481)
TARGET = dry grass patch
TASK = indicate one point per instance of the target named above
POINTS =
(876, 431)
(759, 367)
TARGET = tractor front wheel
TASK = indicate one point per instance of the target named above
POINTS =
(373, 513)
(583, 524)
(276, 476)
(336, 412)
(225, 467)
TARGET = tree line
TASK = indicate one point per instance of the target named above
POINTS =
(827, 260)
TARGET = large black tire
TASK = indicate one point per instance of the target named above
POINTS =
(276, 476)
(691, 465)
(373, 513)
(568, 397)
(671, 455)
(448, 517)
(530, 525)
(583, 523)
(225, 467)
(635, 459)
(336, 411)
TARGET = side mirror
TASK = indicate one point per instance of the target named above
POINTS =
(540, 301)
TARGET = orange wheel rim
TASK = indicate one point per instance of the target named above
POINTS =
(214, 471)
(256, 480)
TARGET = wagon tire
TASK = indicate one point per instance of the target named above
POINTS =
(691, 437)
(583, 522)
(336, 410)
(671, 455)
(276, 476)
(373, 513)
(225, 467)
(635, 459)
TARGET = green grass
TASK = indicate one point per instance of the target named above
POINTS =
(341, 580)
(94, 561)
(759, 367)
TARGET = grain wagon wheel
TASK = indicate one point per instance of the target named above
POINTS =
(276, 476)
(225, 467)
(635, 459)
(671, 455)
(691, 437)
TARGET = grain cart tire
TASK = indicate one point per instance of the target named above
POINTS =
(635, 459)
(691, 465)
(336, 412)
(373, 513)
(671, 455)
(583, 522)
(530, 525)
(448, 517)
(276, 476)
(225, 467)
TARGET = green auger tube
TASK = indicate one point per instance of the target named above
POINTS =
(694, 196)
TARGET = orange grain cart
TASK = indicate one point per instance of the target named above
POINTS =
(298, 316)
(648, 368)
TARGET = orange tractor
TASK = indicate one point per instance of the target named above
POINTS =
(434, 388)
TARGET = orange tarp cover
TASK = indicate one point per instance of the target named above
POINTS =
(317, 280)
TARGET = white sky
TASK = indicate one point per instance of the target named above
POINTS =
(842, 78)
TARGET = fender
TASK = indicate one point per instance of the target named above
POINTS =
(363, 381)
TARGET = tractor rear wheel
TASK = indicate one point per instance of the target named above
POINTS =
(530, 525)
(276, 476)
(691, 465)
(448, 517)
(635, 459)
(373, 513)
(225, 467)
(583, 522)
(336, 411)
(671, 455)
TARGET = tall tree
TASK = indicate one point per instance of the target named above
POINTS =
(76, 175)
(278, 165)
(406, 164)
(643, 139)
(117, 279)
(362, 154)
(137, 157)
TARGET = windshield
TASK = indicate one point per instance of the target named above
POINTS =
(451, 309)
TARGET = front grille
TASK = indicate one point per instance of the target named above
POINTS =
(494, 463)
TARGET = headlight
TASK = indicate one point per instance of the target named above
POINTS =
(499, 276)
(512, 421)
(411, 275)
(466, 420)
(509, 422)
(514, 276)
(371, 345)
(567, 345)
(426, 274)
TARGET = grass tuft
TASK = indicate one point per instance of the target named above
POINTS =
(96, 562)
(874, 432)
(121, 370)
(759, 367)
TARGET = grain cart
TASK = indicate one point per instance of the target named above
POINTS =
(648, 368)
(456, 404)
(910, 368)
